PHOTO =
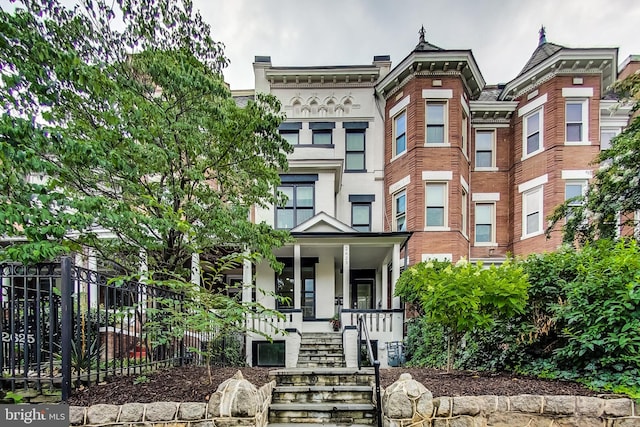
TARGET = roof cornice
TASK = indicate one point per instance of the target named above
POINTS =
(565, 61)
(437, 62)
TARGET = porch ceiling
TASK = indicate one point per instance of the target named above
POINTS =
(365, 250)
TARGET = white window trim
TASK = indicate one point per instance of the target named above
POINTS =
(438, 94)
(393, 136)
(493, 166)
(445, 214)
(540, 149)
(539, 189)
(437, 175)
(401, 105)
(445, 137)
(464, 200)
(464, 184)
(398, 185)
(577, 175)
(577, 92)
(533, 105)
(585, 121)
(533, 183)
(485, 197)
(493, 242)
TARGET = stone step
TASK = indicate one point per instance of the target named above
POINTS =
(321, 364)
(320, 341)
(322, 413)
(321, 347)
(320, 356)
(318, 394)
(323, 376)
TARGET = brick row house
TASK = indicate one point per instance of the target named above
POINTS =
(396, 165)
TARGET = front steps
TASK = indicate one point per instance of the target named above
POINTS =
(326, 396)
(321, 350)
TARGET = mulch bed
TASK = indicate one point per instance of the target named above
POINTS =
(191, 384)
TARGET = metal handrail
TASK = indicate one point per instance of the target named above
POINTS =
(362, 326)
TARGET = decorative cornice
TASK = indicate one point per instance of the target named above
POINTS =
(318, 85)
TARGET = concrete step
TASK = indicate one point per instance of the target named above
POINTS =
(323, 394)
(322, 347)
(321, 356)
(321, 365)
(320, 341)
(322, 413)
(323, 376)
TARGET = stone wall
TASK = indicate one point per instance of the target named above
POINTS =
(237, 402)
(408, 403)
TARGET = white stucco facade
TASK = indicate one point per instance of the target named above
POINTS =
(341, 261)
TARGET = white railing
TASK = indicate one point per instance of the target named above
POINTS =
(375, 320)
(275, 325)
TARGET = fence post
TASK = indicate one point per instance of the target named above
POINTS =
(67, 326)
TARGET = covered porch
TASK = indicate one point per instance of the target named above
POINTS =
(332, 274)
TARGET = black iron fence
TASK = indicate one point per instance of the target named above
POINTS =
(65, 326)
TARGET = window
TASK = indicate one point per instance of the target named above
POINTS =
(354, 156)
(299, 206)
(574, 189)
(284, 285)
(361, 216)
(269, 353)
(606, 135)
(290, 132)
(463, 219)
(484, 220)
(532, 212)
(533, 133)
(291, 136)
(321, 137)
(575, 120)
(321, 133)
(400, 133)
(400, 211)
(484, 149)
(436, 204)
(436, 122)
(465, 134)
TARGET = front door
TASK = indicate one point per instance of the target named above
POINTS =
(362, 289)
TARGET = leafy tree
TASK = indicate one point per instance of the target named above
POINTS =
(463, 297)
(614, 194)
(117, 122)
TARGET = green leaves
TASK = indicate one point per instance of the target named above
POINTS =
(614, 194)
(136, 133)
(464, 297)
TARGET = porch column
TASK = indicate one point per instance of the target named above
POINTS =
(346, 301)
(92, 264)
(385, 281)
(246, 281)
(395, 274)
(297, 278)
(195, 268)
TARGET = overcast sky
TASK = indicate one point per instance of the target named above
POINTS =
(501, 33)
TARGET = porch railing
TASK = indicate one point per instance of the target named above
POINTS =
(376, 321)
(274, 325)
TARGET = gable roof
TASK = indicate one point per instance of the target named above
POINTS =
(323, 222)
